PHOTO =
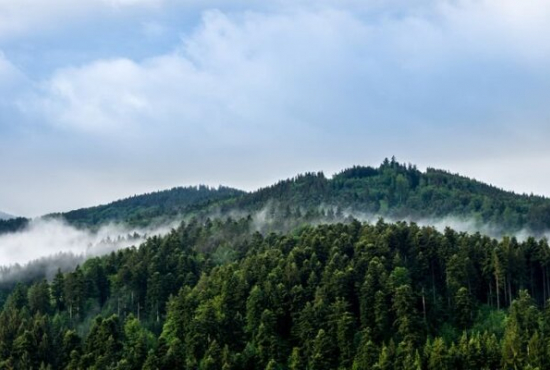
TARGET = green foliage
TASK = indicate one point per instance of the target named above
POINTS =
(396, 191)
(142, 210)
(392, 190)
(336, 296)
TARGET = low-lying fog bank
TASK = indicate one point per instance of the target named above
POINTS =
(47, 245)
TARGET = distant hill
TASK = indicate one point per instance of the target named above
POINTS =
(9, 223)
(13, 224)
(396, 191)
(392, 190)
(141, 210)
(5, 216)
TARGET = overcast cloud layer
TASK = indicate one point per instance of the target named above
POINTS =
(101, 99)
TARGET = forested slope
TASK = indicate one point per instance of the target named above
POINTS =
(138, 210)
(398, 191)
(142, 210)
(393, 190)
(13, 225)
(215, 295)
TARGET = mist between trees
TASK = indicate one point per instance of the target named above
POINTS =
(47, 245)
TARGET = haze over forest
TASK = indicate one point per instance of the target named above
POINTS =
(392, 191)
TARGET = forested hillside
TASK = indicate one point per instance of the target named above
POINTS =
(13, 224)
(247, 281)
(392, 190)
(141, 210)
(215, 295)
(398, 191)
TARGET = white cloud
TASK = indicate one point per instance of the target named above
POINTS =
(230, 73)
(307, 68)
(100, 96)
(44, 238)
(512, 28)
(297, 85)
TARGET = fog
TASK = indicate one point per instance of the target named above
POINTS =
(269, 218)
(457, 223)
(47, 245)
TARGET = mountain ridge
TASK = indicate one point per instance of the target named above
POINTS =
(392, 190)
(398, 191)
(158, 204)
(5, 216)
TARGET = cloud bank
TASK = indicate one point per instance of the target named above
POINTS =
(47, 238)
(317, 67)
(245, 94)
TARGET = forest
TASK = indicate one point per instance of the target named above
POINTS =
(142, 210)
(214, 294)
(399, 191)
(393, 190)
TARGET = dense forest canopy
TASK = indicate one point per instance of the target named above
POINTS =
(216, 295)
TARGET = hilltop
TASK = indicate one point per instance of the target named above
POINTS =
(5, 216)
(392, 190)
(398, 191)
(141, 210)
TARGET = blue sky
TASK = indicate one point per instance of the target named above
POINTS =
(101, 99)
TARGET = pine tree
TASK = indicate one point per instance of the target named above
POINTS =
(296, 361)
(321, 358)
(39, 297)
(437, 355)
(57, 290)
(463, 308)
(367, 353)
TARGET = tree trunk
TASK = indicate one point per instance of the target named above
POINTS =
(509, 291)
(498, 294)
(543, 270)
(433, 284)
(505, 292)
(424, 309)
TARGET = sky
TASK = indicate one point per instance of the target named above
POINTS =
(103, 99)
